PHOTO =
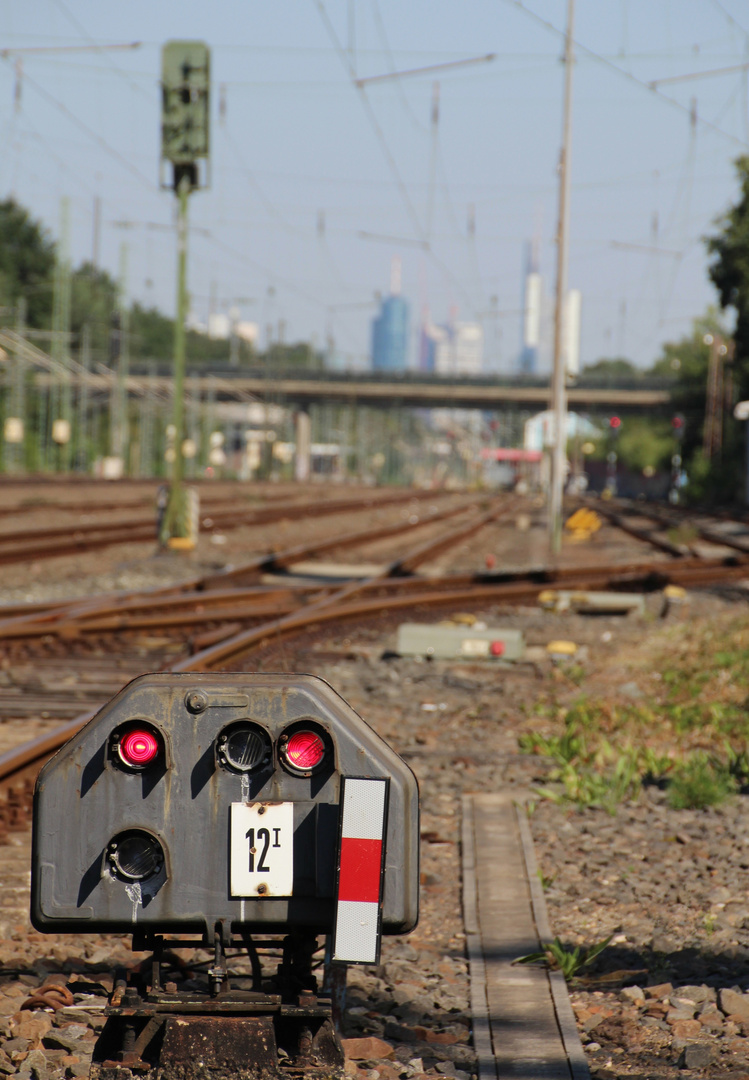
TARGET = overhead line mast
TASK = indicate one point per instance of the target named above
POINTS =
(559, 373)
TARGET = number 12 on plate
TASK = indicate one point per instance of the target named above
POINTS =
(261, 849)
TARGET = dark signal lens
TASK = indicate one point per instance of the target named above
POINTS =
(304, 751)
(135, 855)
(243, 747)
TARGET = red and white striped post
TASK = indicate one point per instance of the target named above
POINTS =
(361, 862)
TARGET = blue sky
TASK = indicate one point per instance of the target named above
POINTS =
(299, 141)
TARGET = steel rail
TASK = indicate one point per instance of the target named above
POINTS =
(281, 560)
(89, 616)
(510, 589)
(670, 520)
(387, 593)
(34, 753)
(649, 536)
(95, 536)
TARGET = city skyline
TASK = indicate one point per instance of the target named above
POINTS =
(315, 179)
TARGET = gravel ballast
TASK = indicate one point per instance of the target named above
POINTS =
(667, 998)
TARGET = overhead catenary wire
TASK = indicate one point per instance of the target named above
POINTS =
(393, 75)
(727, 14)
(93, 135)
(390, 159)
(641, 83)
(102, 49)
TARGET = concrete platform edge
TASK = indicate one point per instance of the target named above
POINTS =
(560, 995)
(482, 1041)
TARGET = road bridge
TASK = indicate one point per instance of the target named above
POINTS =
(413, 389)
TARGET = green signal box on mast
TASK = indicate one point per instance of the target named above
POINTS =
(185, 107)
(185, 143)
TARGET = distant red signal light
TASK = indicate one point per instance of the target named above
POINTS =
(615, 422)
(677, 423)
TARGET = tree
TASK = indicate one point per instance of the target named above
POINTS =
(729, 272)
(27, 261)
(93, 300)
(615, 368)
(729, 269)
(687, 360)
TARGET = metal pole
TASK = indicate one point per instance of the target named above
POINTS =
(175, 523)
(18, 456)
(82, 432)
(123, 364)
(559, 388)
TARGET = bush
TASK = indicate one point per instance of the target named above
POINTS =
(699, 782)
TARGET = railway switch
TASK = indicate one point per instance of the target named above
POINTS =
(245, 812)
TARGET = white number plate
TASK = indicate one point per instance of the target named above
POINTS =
(261, 860)
(474, 647)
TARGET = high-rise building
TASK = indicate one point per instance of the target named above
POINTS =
(453, 349)
(532, 301)
(390, 328)
(429, 340)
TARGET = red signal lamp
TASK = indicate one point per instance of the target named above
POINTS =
(304, 750)
(615, 422)
(139, 747)
(497, 648)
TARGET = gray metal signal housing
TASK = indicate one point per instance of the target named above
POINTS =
(84, 798)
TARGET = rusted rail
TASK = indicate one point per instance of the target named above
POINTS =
(33, 544)
(279, 611)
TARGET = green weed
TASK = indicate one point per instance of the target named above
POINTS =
(560, 957)
(575, 673)
(700, 781)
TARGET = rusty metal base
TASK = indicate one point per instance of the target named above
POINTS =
(180, 1041)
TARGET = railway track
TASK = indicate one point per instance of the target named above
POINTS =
(24, 545)
(230, 620)
(219, 621)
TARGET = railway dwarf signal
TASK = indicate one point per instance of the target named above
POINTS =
(222, 807)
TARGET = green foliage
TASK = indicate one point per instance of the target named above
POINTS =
(589, 770)
(642, 440)
(692, 737)
(616, 368)
(729, 269)
(562, 958)
(93, 299)
(729, 272)
(645, 441)
(300, 355)
(699, 782)
(151, 333)
(27, 266)
(686, 360)
(27, 260)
